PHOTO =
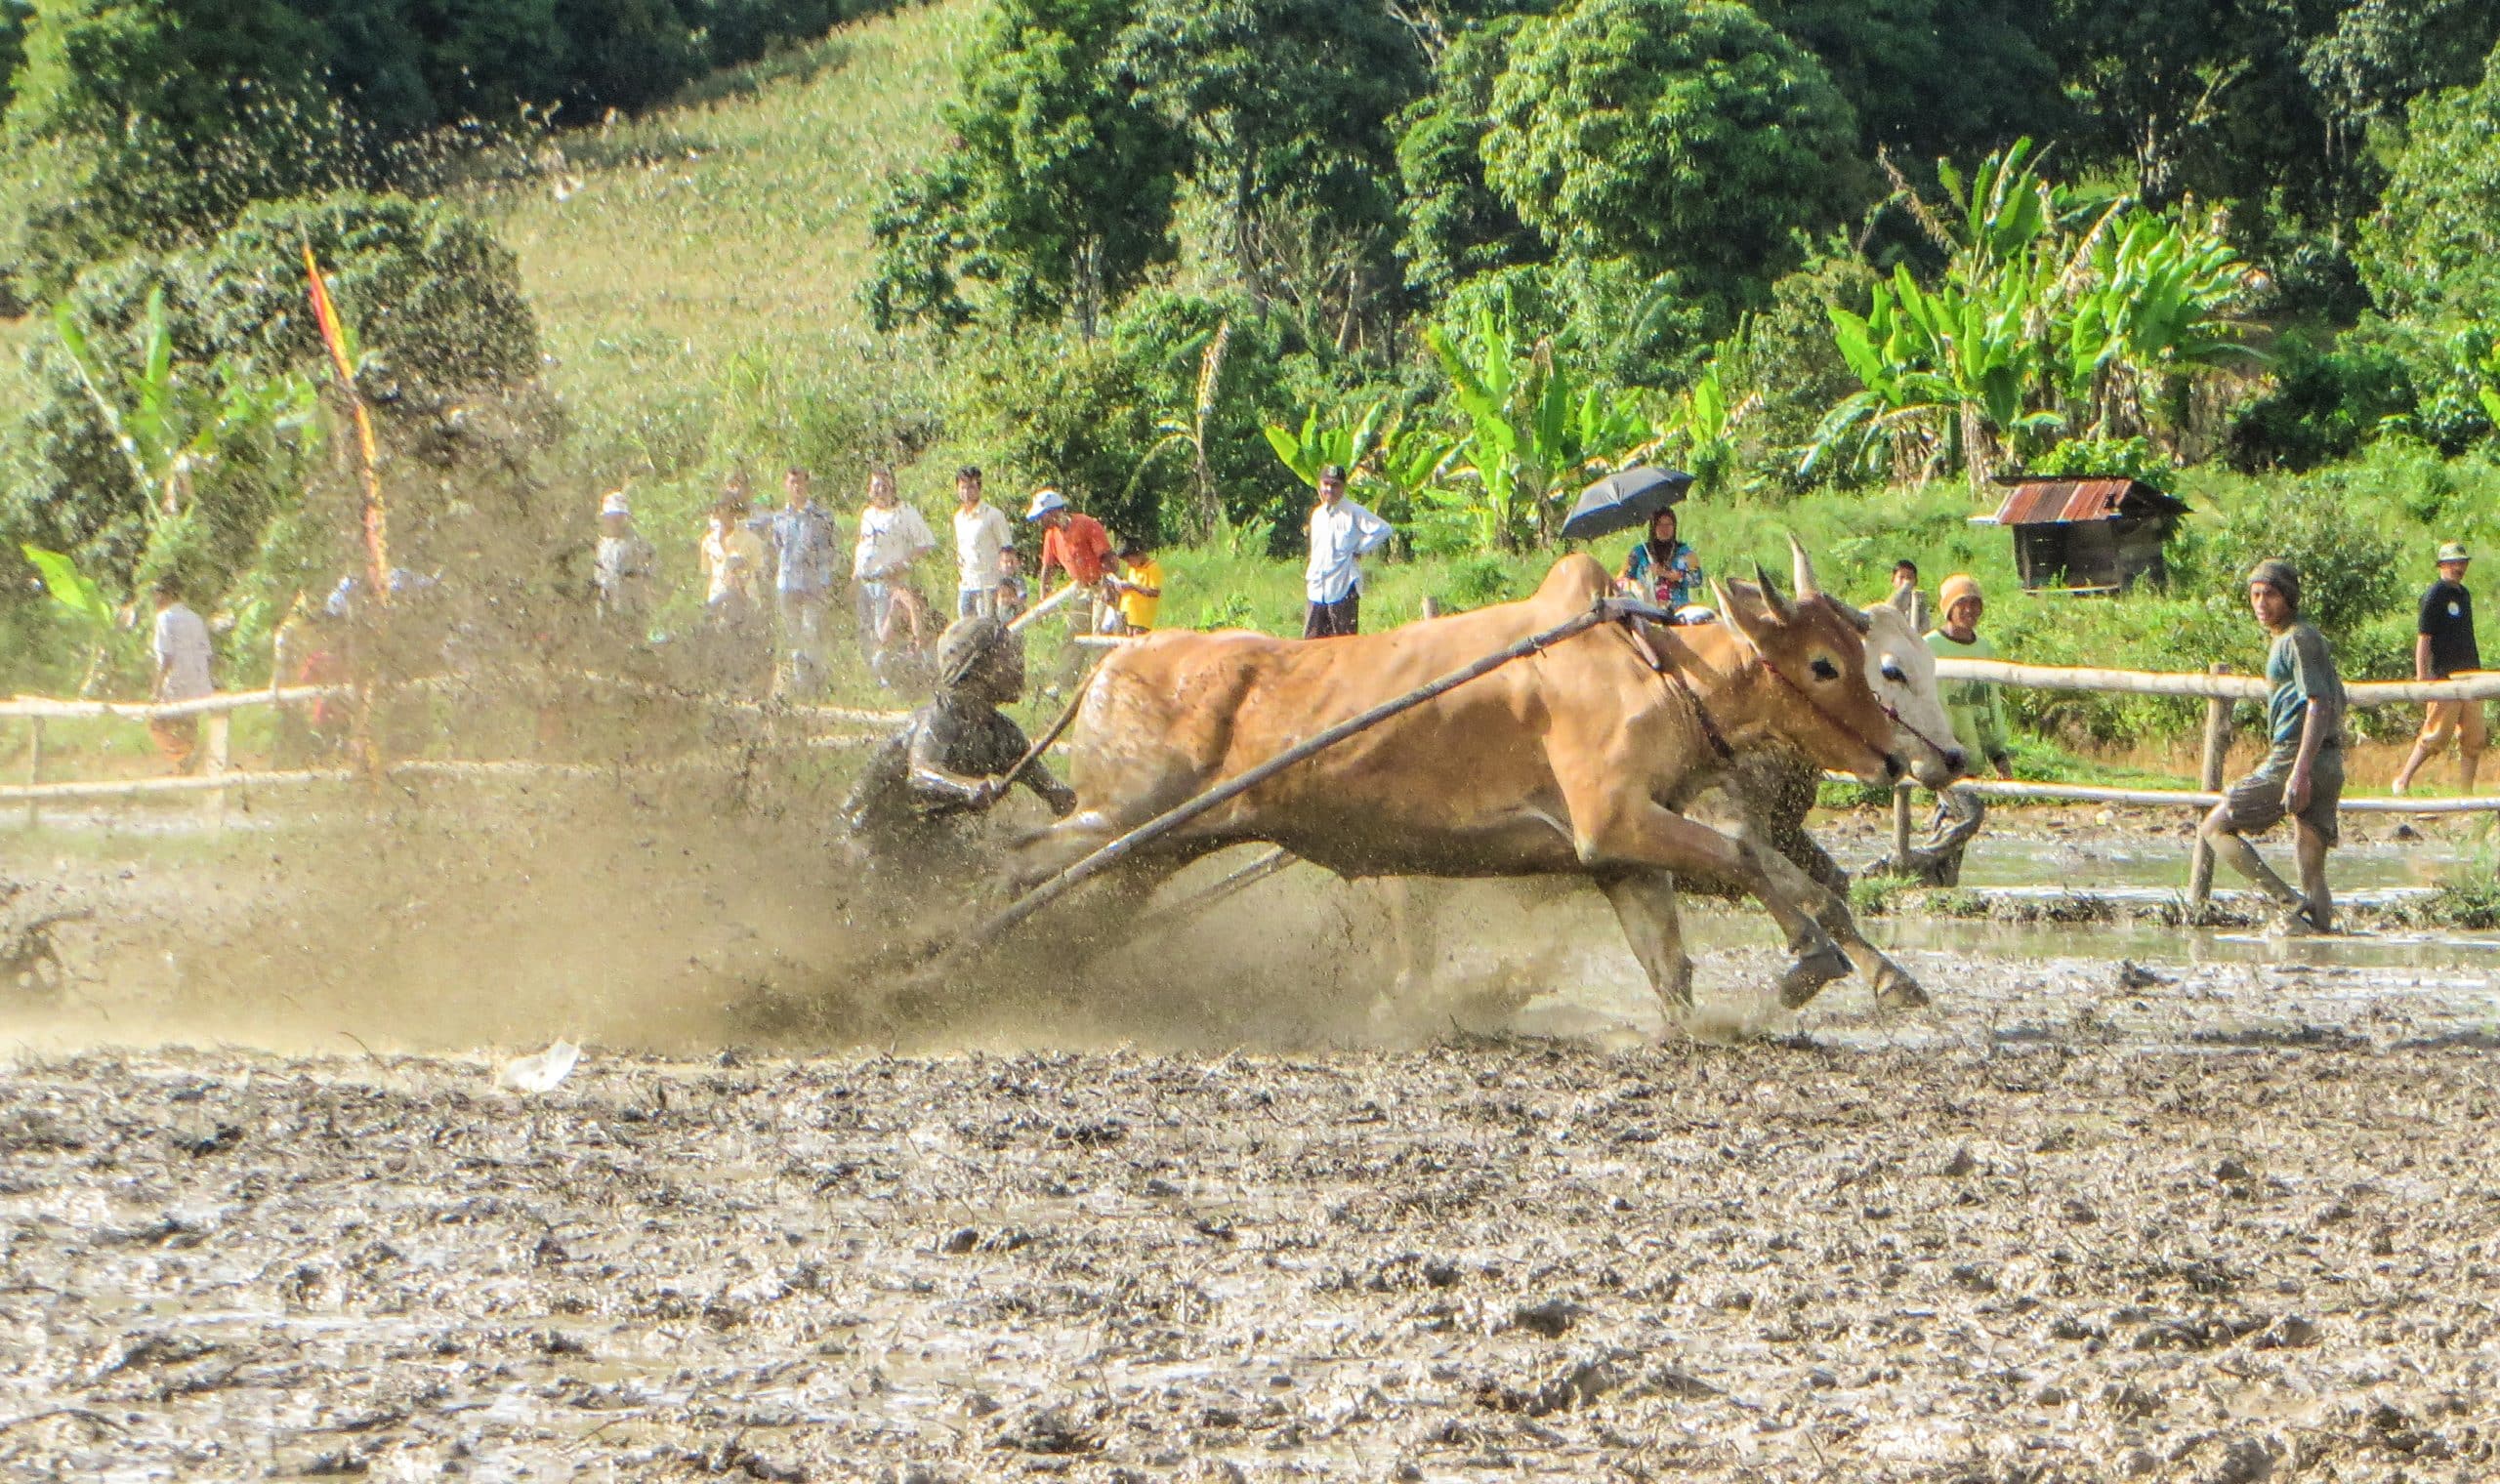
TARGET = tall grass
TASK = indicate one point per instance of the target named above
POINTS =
(696, 271)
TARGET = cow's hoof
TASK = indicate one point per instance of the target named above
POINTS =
(1813, 969)
(1895, 990)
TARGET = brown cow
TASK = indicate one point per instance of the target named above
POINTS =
(1573, 761)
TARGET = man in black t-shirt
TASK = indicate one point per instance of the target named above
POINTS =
(2444, 649)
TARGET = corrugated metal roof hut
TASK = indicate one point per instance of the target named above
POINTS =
(2087, 533)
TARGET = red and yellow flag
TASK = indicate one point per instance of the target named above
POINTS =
(377, 531)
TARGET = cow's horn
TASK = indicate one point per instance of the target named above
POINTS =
(1861, 619)
(1801, 568)
(1769, 594)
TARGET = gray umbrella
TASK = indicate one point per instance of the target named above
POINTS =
(1622, 501)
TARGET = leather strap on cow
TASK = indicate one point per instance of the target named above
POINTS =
(1625, 611)
(1631, 615)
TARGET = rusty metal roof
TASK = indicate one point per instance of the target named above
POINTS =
(2036, 500)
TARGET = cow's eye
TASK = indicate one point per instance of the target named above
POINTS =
(1892, 673)
(1825, 670)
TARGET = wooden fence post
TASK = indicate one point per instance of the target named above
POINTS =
(219, 756)
(2209, 777)
(1901, 828)
(34, 772)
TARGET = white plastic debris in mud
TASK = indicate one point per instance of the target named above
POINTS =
(532, 1075)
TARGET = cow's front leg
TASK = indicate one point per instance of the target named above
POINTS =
(1895, 989)
(1614, 832)
(1645, 903)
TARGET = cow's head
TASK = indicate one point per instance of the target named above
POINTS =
(1901, 672)
(1813, 650)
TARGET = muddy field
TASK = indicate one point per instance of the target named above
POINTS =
(2221, 1213)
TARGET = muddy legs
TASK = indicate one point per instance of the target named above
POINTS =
(1645, 903)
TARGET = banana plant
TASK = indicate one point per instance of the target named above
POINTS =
(1530, 428)
(171, 425)
(1193, 432)
(76, 595)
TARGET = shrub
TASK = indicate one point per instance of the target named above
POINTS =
(2325, 402)
(434, 301)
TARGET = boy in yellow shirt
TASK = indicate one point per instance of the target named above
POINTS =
(1139, 584)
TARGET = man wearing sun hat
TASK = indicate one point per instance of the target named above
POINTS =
(2444, 649)
(623, 568)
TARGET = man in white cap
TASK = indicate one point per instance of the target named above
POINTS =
(623, 568)
(1341, 534)
(2444, 649)
(1072, 540)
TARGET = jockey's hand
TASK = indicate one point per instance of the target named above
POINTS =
(2296, 791)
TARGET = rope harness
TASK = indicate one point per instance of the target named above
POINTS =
(1709, 725)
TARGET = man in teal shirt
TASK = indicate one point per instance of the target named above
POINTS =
(2302, 774)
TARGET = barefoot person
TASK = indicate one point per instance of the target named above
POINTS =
(2302, 774)
(2444, 649)
(1977, 710)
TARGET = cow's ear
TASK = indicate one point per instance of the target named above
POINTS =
(1740, 617)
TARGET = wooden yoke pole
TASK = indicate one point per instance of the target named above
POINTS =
(1604, 610)
(2209, 777)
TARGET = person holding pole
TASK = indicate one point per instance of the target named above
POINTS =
(2302, 773)
(1341, 534)
(2444, 649)
(1975, 708)
(955, 757)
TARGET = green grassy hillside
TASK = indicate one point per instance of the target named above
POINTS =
(696, 271)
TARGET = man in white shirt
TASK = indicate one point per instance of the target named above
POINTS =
(1342, 533)
(981, 532)
(182, 673)
(892, 537)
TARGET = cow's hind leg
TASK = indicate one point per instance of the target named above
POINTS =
(1645, 903)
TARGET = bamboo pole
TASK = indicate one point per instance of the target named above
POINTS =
(1023, 620)
(154, 711)
(1604, 610)
(2233, 688)
(2209, 777)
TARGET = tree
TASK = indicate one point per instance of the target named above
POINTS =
(1287, 104)
(1455, 225)
(1931, 78)
(1057, 188)
(2433, 251)
(150, 122)
(1684, 134)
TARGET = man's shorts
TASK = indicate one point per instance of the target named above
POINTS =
(2255, 803)
(2461, 720)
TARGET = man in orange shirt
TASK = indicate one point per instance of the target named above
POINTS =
(1072, 540)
